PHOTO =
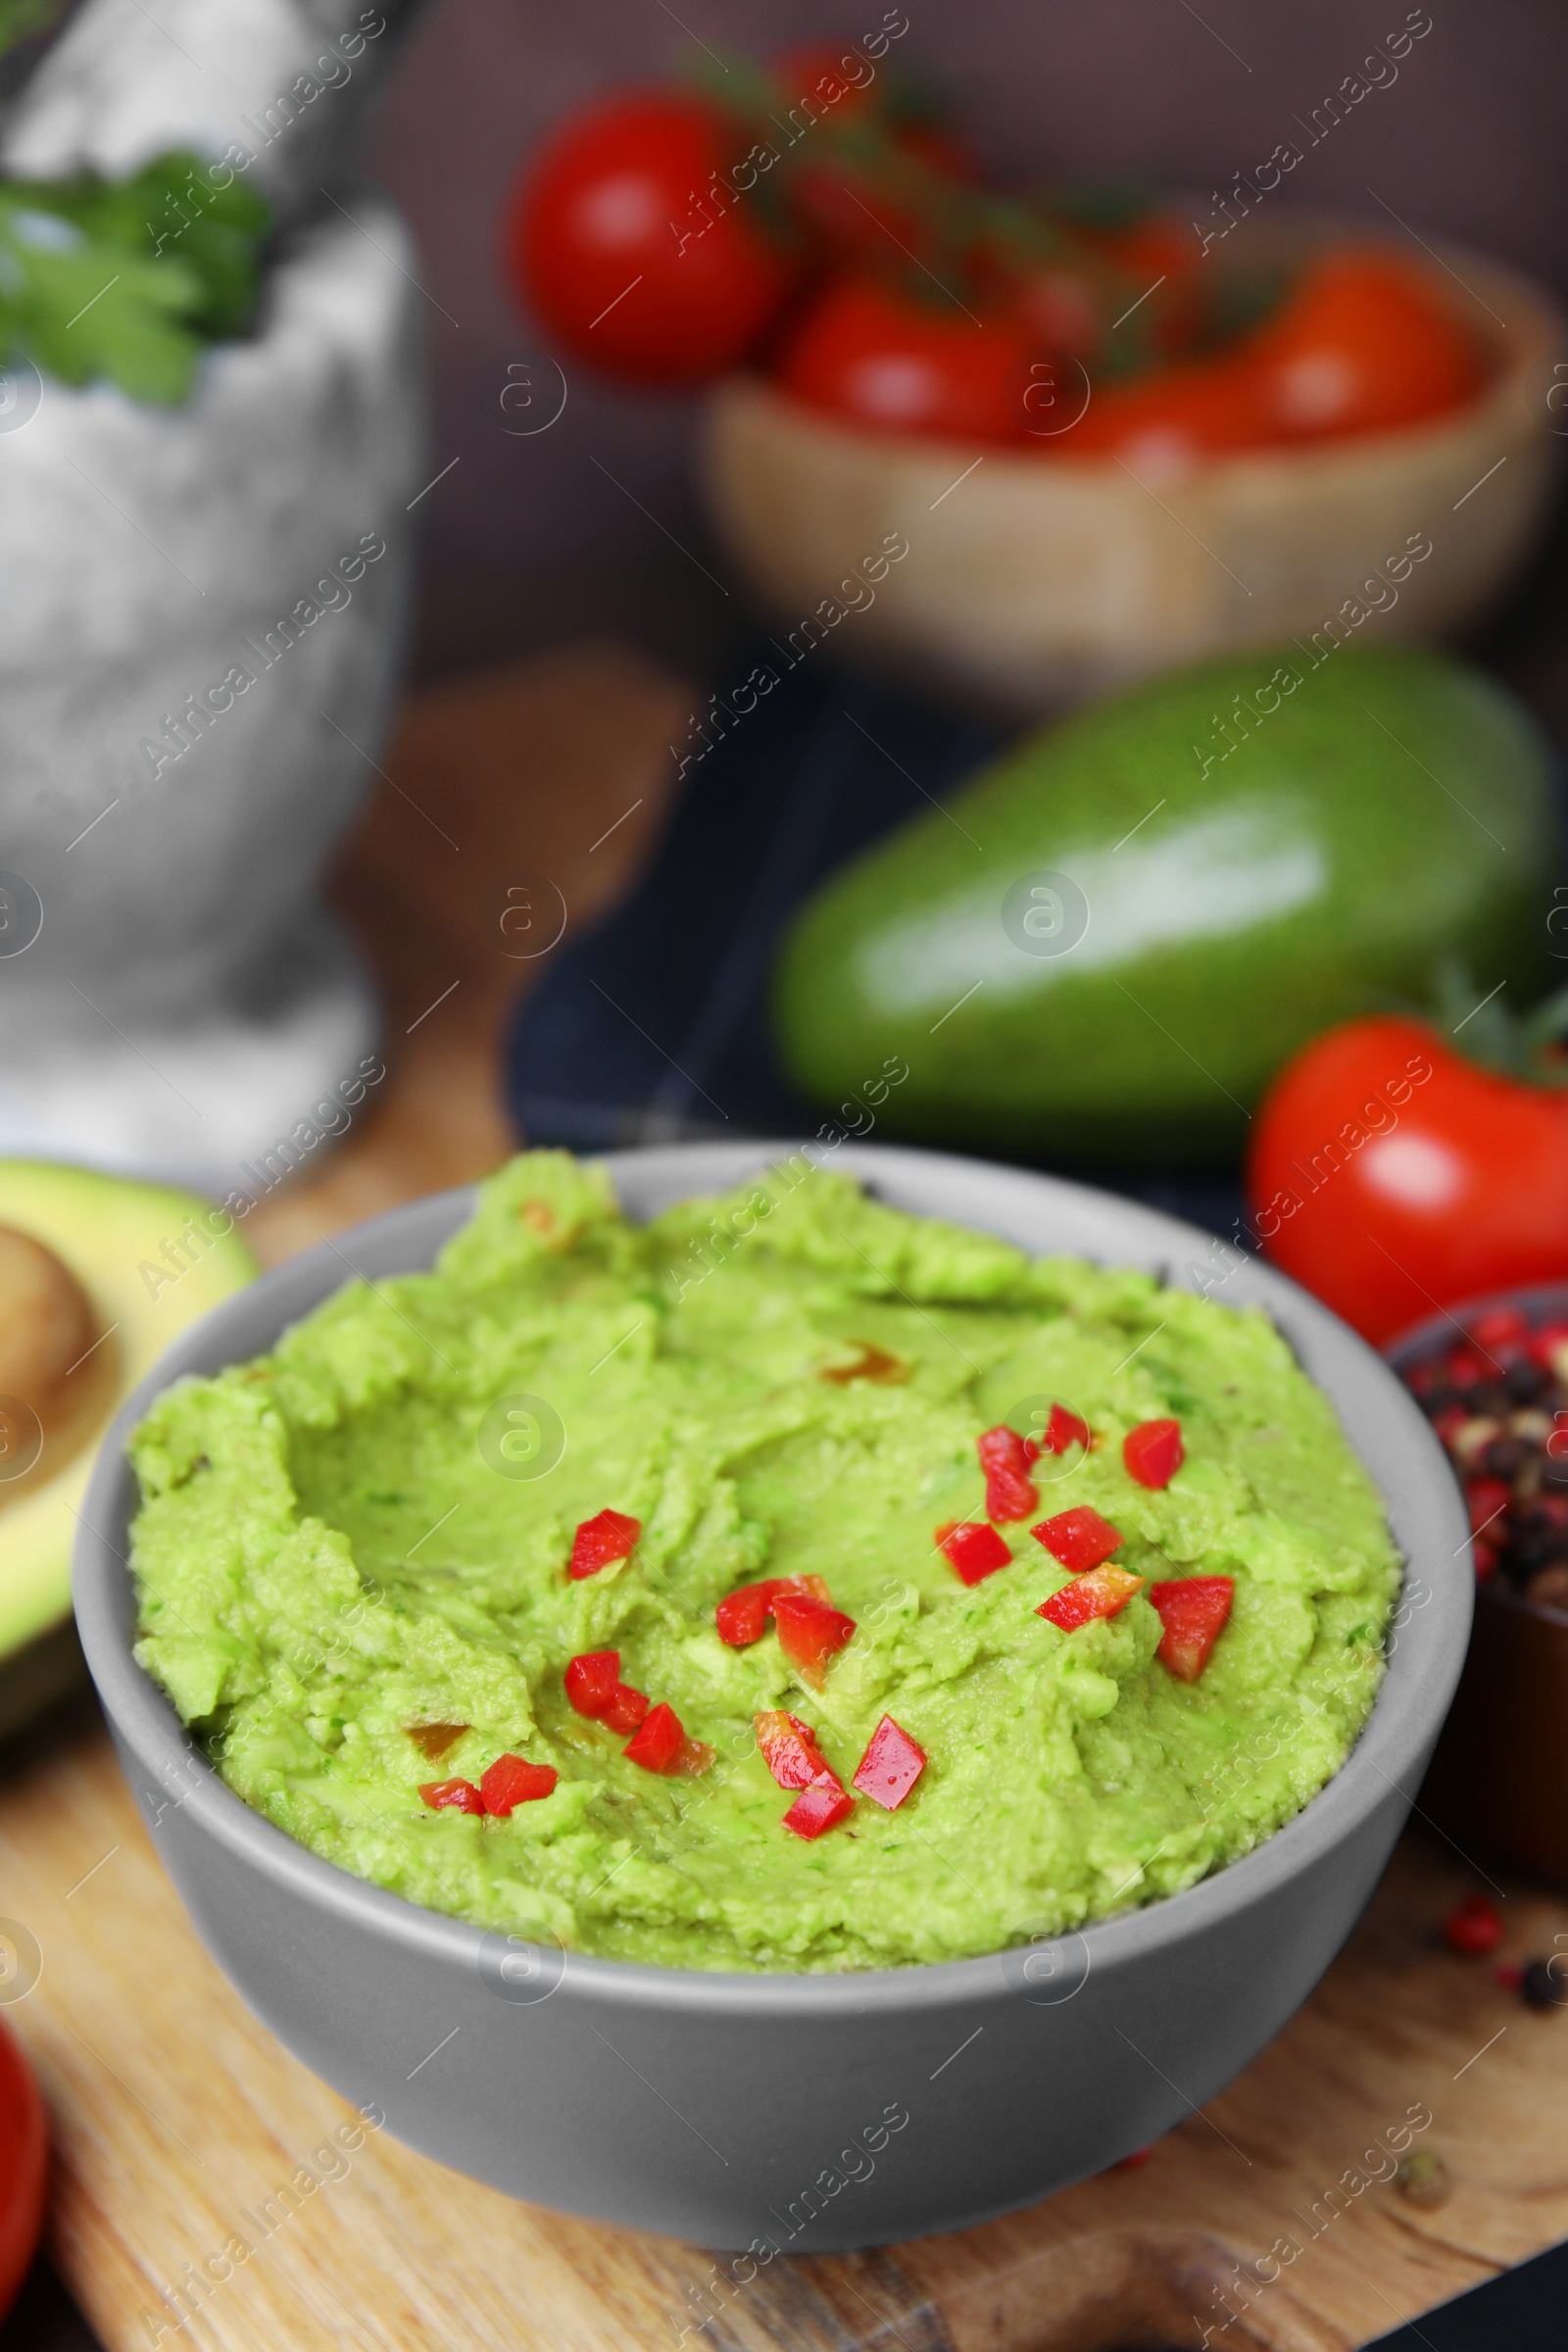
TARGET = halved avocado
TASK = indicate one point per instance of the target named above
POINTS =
(97, 1275)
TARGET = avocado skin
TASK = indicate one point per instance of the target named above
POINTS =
(1393, 812)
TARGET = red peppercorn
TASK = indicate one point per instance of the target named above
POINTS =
(1488, 1499)
(1450, 1422)
(1547, 1346)
(1501, 1333)
(1473, 1926)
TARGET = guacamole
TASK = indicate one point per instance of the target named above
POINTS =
(366, 1561)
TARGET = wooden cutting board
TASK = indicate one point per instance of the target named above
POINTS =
(180, 2122)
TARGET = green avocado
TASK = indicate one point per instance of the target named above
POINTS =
(143, 1262)
(1103, 948)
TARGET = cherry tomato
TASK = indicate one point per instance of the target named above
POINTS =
(632, 255)
(1163, 424)
(1391, 1177)
(873, 354)
(1362, 345)
(23, 2168)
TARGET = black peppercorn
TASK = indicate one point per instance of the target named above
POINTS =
(1543, 1986)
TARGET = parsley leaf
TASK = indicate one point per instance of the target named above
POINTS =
(129, 280)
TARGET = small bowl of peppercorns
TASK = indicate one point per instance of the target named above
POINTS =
(1491, 1376)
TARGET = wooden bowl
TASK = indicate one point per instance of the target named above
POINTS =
(1498, 1785)
(1031, 580)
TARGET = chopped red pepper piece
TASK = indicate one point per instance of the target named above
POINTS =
(810, 1631)
(973, 1548)
(659, 1745)
(608, 1535)
(513, 1781)
(1193, 1610)
(461, 1795)
(821, 1804)
(742, 1616)
(788, 1747)
(591, 1680)
(627, 1708)
(1010, 1492)
(1079, 1539)
(1488, 1499)
(1502, 1332)
(1465, 1368)
(1101, 1592)
(891, 1765)
(1154, 1452)
(695, 1756)
(1064, 1428)
(1473, 1925)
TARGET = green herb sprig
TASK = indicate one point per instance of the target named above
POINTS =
(129, 280)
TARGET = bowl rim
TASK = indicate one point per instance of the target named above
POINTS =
(1418, 1683)
(1428, 1338)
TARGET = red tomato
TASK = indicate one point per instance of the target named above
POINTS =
(23, 2168)
(1364, 345)
(1391, 1177)
(1163, 424)
(632, 256)
(875, 356)
(1361, 346)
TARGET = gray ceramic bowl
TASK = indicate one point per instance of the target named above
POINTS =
(811, 2112)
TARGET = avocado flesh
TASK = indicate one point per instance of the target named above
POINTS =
(1243, 883)
(104, 1230)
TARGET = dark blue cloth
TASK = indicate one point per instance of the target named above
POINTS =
(1524, 2311)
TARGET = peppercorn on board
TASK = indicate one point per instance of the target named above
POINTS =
(1396, 2144)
